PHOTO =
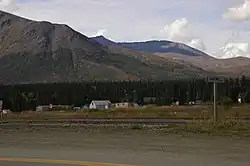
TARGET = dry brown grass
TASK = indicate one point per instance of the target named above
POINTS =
(167, 112)
(233, 66)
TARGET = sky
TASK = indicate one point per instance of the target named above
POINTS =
(220, 28)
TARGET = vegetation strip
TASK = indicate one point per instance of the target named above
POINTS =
(51, 161)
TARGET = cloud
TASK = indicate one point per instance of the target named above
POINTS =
(239, 13)
(101, 32)
(237, 46)
(8, 5)
(5, 3)
(177, 30)
(142, 22)
(235, 49)
(180, 31)
(198, 44)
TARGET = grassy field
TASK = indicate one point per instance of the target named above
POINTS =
(222, 128)
(167, 112)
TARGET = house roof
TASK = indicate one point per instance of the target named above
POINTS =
(101, 102)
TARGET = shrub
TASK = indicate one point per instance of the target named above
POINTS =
(227, 102)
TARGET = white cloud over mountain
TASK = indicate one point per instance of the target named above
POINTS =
(100, 32)
(198, 44)
(232, 50)
(236, 46)
(179, 31)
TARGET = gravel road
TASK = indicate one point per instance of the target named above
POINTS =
(119, 146)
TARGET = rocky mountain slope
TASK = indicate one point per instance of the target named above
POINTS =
(32, 52)
(232, 67)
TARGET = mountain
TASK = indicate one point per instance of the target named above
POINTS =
(39, 51)
(161, 46)
(104, 41)
(234, 63)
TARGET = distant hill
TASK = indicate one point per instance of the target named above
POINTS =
(39, 51)
(161, 46)
(185, 55)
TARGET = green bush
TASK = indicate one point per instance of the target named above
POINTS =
(227, 102)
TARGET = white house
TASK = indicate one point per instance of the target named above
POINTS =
(6, 111)
(100, 104)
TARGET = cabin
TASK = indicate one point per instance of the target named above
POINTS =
(126, 105)
(52, 107)
(100, 104)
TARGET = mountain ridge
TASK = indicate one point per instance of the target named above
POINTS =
(42, 52)
(161, 46)
(233, 67)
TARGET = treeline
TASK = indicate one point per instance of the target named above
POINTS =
(28, 96)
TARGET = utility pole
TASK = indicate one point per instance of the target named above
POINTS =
(215, 107)
(215, 80)
(1, 110)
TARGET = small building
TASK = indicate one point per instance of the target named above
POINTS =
(126, 105)
(176, 103)
(52, 107)
(86, 106)
(123, 105)
(7, 111)
(76, 108)
(42, 108)
(191, 102)
(100, 104)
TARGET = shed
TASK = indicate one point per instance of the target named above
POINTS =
(126, 105)
(100, 104)
(123, 105)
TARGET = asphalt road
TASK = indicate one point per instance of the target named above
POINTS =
(29, 164)
(39, 146)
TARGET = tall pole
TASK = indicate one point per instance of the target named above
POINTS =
(215, 111)
(215, 81)
(1, 110)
